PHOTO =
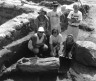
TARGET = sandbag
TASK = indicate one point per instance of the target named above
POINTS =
(38, 64)
(86, 53)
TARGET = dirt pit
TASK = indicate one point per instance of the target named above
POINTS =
(78, 72)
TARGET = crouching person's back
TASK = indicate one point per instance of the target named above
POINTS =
(37, 43)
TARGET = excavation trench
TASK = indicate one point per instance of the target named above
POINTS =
(18, 49)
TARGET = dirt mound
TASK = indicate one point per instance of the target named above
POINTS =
(86, 53)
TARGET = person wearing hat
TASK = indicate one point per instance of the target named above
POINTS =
(54, 17)
(56, 40)
(37, 43)
(74, 19)
(42, 19)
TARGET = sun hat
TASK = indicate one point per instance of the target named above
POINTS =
(40, 29)
(42, 10)
(55, 3)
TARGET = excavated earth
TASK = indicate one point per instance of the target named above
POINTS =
(16, 29)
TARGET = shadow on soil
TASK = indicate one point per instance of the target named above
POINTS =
(20, 76)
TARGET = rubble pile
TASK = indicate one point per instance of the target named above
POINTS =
(17, 20)
(16, 28)
(10, 9)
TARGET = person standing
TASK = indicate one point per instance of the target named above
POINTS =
(54, 17)
(42, 20)
(74, 19)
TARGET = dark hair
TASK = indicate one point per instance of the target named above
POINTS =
(70, 35)
(42, 10)
(55, 30)
(55, 4)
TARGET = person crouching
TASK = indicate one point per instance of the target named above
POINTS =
(37, 43)
(69, 44)
(67, 54)
(55, 42)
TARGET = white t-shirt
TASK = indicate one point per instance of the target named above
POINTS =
(58, 39)
(54, 19)
(77, 16)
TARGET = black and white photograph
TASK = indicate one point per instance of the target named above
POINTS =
(47, 40)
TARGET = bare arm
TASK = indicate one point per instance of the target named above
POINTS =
(70, 20)
(36, 22)
(49, 27)
(32, 42)
(30, 45)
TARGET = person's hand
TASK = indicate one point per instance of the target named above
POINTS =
(61, 55)
(70, 55)
(41, 44)
(77, 21)
(73, 20)
(53, 54)
(37, 45)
